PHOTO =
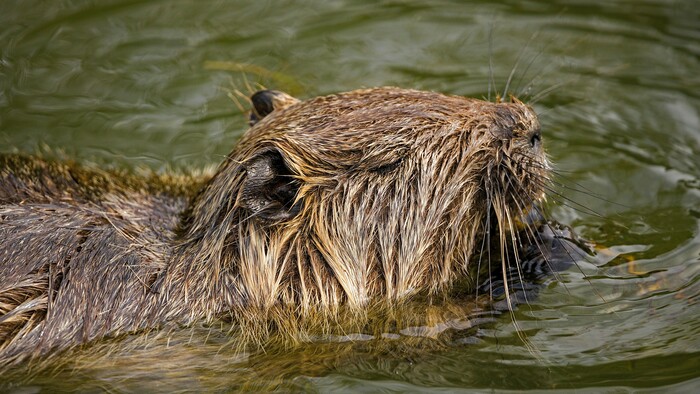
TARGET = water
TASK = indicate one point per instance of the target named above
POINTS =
(136, 83)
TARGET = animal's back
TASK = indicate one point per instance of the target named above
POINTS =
(78, 252)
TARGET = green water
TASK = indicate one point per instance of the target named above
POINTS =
(616, 83)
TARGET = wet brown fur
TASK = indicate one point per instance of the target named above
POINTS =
(339, 202)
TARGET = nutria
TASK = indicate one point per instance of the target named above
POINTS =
(340, 200)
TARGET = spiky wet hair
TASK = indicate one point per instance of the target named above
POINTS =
(381, 192)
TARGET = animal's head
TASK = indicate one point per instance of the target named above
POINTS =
(378, 191)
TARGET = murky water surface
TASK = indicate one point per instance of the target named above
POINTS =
(147, 83)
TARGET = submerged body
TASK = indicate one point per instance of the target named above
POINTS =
(376, 194)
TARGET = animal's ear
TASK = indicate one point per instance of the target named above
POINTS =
(266, 101)
(270, 189)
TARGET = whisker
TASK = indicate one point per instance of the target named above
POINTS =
(573, 204)
(483, 243)
(578, 267)
(539, 242)
(515, 235)
(517, 62)
(515, 251)
(522, 76)
(501, 210)
(579, 189)
(584, 190)
(492, 83)
(543, 94)
(567, 251)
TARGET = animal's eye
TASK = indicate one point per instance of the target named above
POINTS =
(535, 138)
